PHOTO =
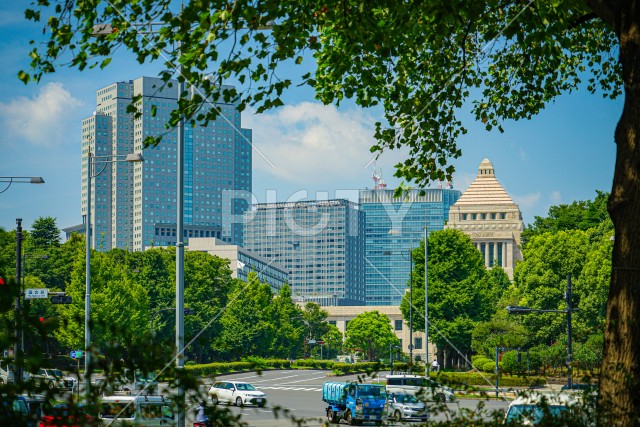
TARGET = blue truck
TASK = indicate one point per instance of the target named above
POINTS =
(354, 402)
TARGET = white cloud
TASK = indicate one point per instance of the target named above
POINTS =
(555, 197)
(527, 201)
(312, 143)
(44, 119)
(462, 181)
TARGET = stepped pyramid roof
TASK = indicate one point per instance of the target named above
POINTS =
(485, 189)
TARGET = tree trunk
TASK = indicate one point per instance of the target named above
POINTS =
(619, 400)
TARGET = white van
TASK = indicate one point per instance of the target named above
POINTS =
(419, 386)
(143, 411)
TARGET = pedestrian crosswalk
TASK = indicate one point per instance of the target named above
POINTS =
(290, 388)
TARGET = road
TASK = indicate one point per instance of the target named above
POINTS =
(300, 391)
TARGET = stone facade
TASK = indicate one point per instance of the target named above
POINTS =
(487, 214)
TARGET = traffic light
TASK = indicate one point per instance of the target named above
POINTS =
(41, 318)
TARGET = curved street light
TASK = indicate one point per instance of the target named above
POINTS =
(91, 162)
(20, 180)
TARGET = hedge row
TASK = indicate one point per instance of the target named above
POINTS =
(214, 368)
(313, 364)
(352, 368)
(461, 379)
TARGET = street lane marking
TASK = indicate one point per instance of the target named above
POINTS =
(291, 388)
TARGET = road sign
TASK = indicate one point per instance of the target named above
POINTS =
(312, 341)
(321, 342)
(36, 293)
(61, 300)
(76, 354)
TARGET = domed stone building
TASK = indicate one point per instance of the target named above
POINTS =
(487, 214)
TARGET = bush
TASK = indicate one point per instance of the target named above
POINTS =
(313, 364)
(479, 362)
(489, 366)
(352, 368)
(462, 379)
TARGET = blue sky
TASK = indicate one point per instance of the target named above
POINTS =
(564, 154)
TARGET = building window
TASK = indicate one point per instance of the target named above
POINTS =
(503, 215)
(474, 216)
(483, 248)
(464, 216)
(491, 258)
(418, 343)
(499, 256)
(397, 325)
(493, 216)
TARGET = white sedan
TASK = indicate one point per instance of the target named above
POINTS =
(236, 392)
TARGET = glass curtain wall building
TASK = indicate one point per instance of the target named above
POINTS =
(319, 243)
(393, 227)
(136, 209)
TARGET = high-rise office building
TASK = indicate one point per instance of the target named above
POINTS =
(134, 206)
(394, 226)
(319, 243)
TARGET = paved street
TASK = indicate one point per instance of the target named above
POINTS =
(301, 393)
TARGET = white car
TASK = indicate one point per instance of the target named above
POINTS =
(529, 409)
(236, 392)
(420, 387)
(54, 379)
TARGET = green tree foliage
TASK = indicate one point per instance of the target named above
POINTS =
(421, 61)
(498, 280)
(579, 215)
(315, 319)
(7, 252)
(371, 332)
(542, 280)
(288, 318)
(592, 288)
(333, 340)
(117, 303)
(460, 294)
(497, 332)
(247, 326)
(44, 234)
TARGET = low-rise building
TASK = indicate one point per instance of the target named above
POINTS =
(241, 261)
(341, 316)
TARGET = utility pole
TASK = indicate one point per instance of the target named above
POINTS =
(16, 349)
(569, 341)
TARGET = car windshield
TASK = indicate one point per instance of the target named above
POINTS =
(406, 398)
(534, 413)
(370, 391)
(55, 372)
(117, 409)
(243, 386)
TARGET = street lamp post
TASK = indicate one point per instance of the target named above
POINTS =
(410, 299)
(525, 310)
(20, 180)
(410, 310)
(426, 301)
(91, 160)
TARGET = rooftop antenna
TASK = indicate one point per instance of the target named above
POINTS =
(378, 182)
